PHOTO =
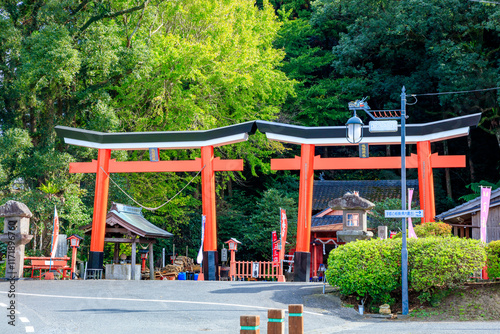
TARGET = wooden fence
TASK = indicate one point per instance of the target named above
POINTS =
(244, 270)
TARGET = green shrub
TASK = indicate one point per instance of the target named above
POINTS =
(435, 263)
(430, 229)
(433, 229)
(493, 261)
(371, 269)
(365, 269)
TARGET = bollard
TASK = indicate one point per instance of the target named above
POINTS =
(249, 324)
(295, 319)
(276, 322)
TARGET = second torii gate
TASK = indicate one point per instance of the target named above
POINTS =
(420, 134)
(207, 165)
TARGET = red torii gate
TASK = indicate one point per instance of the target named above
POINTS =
(207, 164)
(308, 138)
(307, 163)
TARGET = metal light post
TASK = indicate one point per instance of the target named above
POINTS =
(354, 135)
(404, 249)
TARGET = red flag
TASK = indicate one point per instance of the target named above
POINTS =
(283, 232)
(275, 249)
(55, 233)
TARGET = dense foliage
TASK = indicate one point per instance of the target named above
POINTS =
(155, 65)
(430, 229)
(371, 269)
(493, 263)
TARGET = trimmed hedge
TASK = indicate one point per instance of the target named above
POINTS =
(493, 262)
(365, 268)
(430, 229)
(371, 269)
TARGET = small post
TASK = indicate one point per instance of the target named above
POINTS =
(295, 319)
(249, 324)
(163, 258)
(276, 321)
(151, 263)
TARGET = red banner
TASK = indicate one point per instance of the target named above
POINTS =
(275, 249)
(283, 232)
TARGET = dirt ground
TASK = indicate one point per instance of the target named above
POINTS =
(474, 302)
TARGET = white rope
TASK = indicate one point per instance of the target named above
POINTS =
(158, 207)
(327, 242)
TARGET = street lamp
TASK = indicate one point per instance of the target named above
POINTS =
(354, 129)
(354, 135)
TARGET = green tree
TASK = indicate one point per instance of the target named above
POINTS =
(257, 240)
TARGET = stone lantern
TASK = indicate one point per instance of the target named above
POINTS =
(16, 236)
(355, 210)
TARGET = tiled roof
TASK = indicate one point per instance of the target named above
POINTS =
(325, 220)
(470, 206)
(374, 191)
(131, 218)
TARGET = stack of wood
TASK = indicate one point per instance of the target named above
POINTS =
(171, 271)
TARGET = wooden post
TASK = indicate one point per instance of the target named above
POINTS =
(295, 319)
(116, 253)
(132, 261)
(151, 263)
(249, 324)
(276, 321)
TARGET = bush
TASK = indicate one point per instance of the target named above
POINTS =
(436, 263)
(430, 229)
(365, 269)
(433, 229)
(493, 261)
(371, 269)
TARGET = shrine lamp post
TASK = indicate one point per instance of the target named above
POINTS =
(354, 135)
(74, 243)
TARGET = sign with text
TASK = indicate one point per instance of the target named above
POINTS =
(223, 254)
(485, 208)
(276, 251)
(154, 154)
(255, 269)
(363, 151)
(404, 213)
(383, 126)
(283, 232)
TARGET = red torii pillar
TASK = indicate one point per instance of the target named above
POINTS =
(208, 165)
(307, 163)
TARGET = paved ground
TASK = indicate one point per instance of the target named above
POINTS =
(187, 307)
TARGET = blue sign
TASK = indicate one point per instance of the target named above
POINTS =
(404, 213)
(363, 151)
(154, 154)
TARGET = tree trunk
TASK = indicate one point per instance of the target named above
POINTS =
(471, 164)
(447, 171)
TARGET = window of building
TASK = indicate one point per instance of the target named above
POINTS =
(352, 219)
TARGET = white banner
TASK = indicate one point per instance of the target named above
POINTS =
(199, 259)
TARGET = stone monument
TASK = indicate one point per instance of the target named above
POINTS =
(16, 235)
(355, 209)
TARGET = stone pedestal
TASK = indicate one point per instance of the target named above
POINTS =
(16, 236)
(349, 236)
(122, 272)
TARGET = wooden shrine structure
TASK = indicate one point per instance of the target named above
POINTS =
(308, 137)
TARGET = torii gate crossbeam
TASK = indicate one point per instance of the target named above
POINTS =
(420, 134)
(207, 164)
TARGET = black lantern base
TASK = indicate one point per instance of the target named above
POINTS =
(94, 267)
(210, 265)
(301, 266)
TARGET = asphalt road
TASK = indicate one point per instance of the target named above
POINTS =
(107, 306)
